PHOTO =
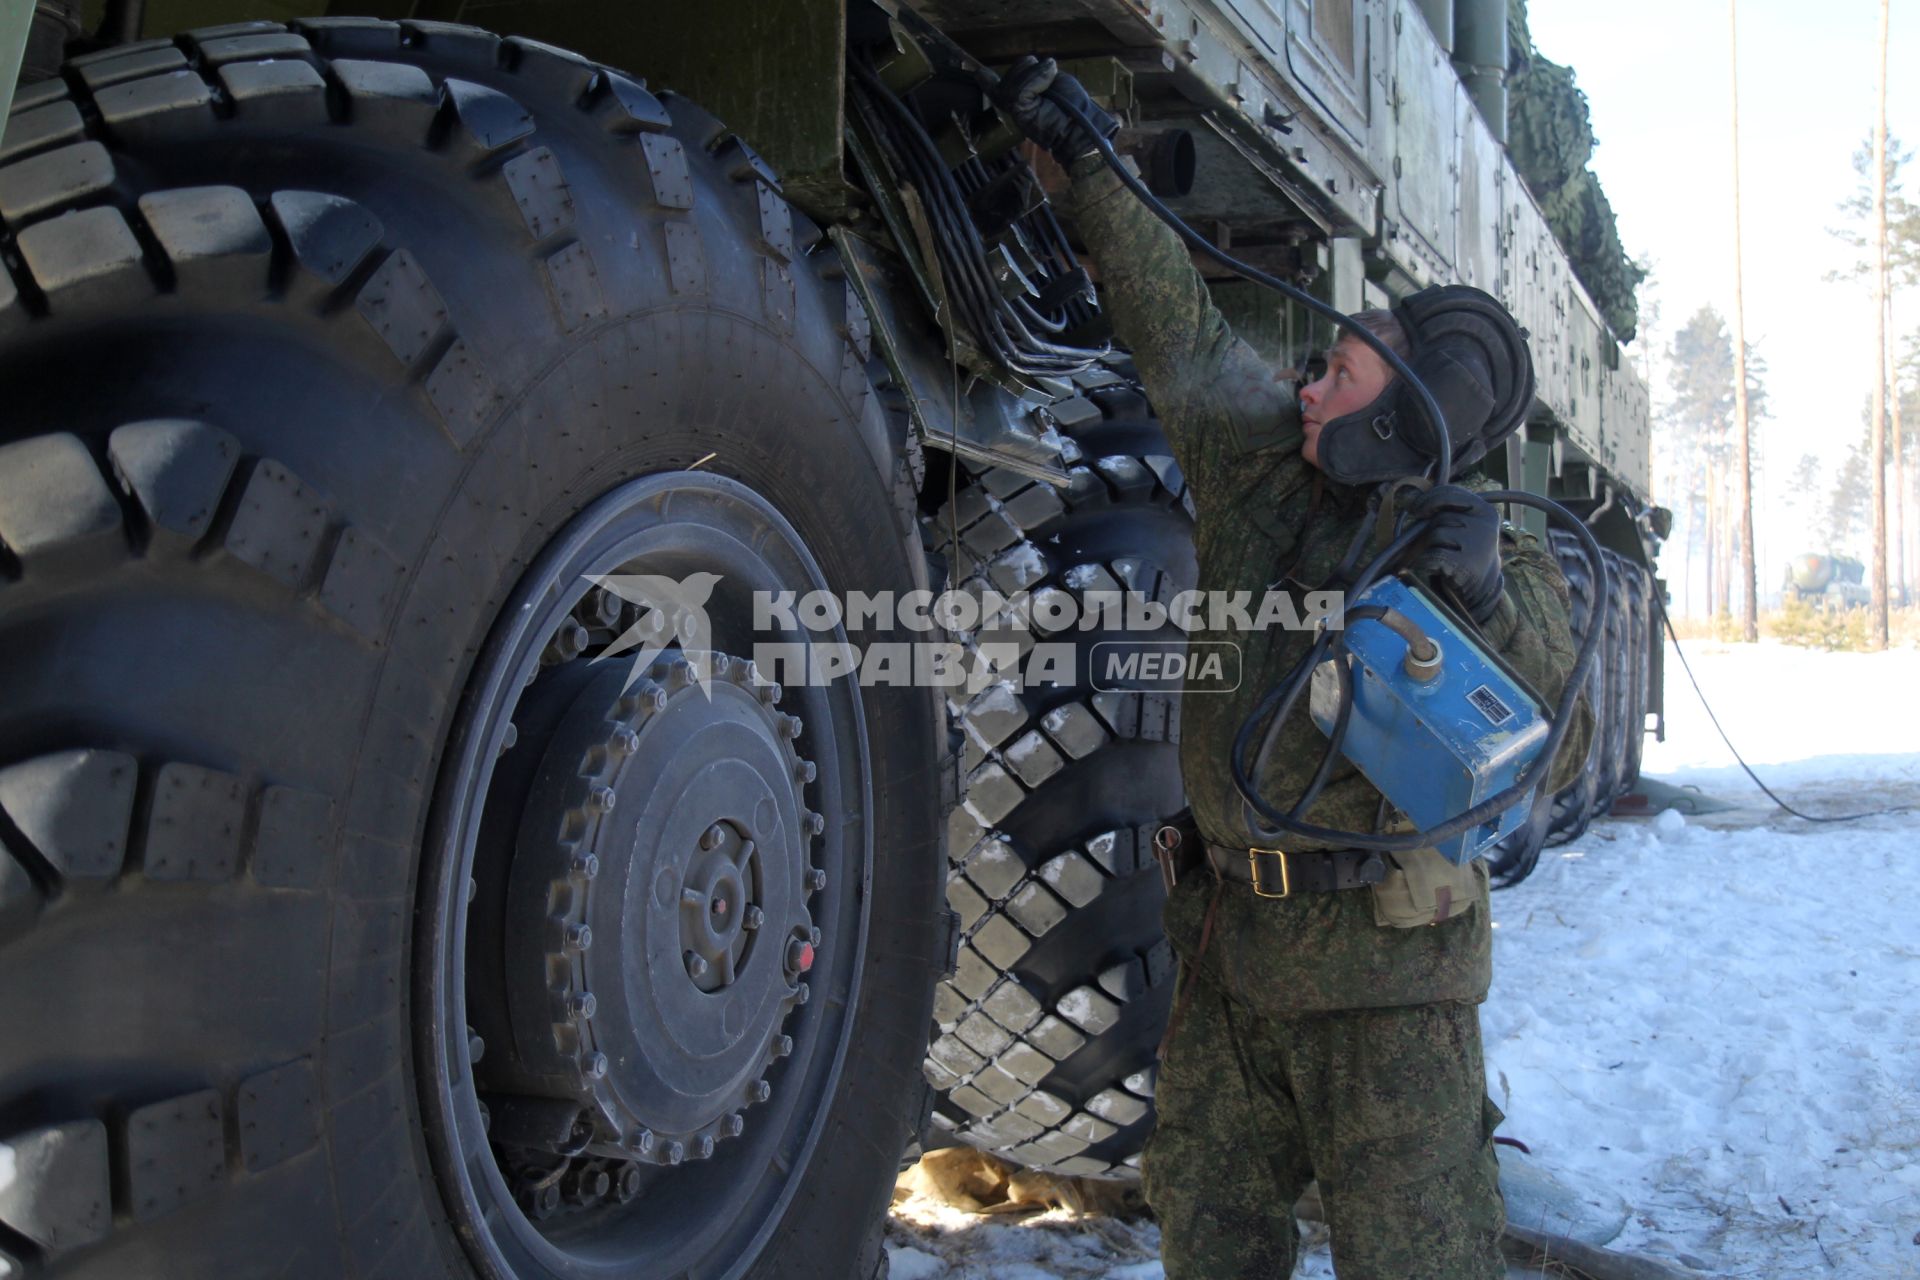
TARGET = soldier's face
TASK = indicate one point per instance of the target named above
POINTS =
(1354, 377)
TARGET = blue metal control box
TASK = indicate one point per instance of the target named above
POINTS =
(1436, 739)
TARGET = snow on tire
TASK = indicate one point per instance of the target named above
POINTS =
(1047, 1029)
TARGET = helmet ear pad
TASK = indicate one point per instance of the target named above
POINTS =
(1391, 437)
(1472, 357)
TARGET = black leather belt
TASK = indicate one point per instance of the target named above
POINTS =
(1271, 873)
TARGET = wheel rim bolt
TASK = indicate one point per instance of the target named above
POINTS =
(712, 836)
(735, 1124)
(696, 965)
(718, 664)
(675, 1153)
(783, 1046)
(703, 1147)
(600, 800)
(753, 919)
(509, 736)
(586, 865)
(815, 824)
(596, 1066)
(629, 1184)
(794, 727)
(802, 994)
(816, 879)
(770, 692)
(582, 1004)
(760, 1091)
(579, 937)
(624, 742)
(476, 1047)
(642, 1141)
(805, 771)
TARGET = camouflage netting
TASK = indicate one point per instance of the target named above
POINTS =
(1550, 139)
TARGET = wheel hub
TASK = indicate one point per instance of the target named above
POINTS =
(657, 905)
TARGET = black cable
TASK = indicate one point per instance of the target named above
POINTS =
(1003, 327)
(1708, 707)
(1429, 407)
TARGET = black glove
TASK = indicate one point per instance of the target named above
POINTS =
(1461, 546)
(1031, 92)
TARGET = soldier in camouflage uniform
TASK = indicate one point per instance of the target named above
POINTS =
(1328, 1035)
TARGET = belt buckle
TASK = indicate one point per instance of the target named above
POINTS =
(1253, 869)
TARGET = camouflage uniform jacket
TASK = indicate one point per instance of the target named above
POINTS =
(1267, 518)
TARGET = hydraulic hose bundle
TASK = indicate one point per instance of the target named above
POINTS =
(1019, 298)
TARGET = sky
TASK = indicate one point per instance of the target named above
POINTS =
(1655, 73)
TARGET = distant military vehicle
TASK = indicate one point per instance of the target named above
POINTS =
(1832, 581)
(361, 374)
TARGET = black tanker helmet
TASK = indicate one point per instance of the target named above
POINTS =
(1473, 358)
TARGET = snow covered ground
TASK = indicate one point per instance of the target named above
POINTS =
(1716, 1019)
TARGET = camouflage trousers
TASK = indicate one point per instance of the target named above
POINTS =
(1387, 1107)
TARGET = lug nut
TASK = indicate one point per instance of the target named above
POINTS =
(783, 1046)
(541, 1202)
(717, 664)
(595, 1066)
(814, 823)
(655, 699)
(748, 673)
(568, 643)
(475, 1046)
(816, 879)
(674, 1153)
(600, 800)
(794, 728)
(473, 888)
(805, 771)
(813, 936)
(601, 607)
(642, 1141)
(624, 742)
(510, 736)
(734, 1124)
(801, 995)
(703, 1146)
(754, 918)
(770, 692)
(581, 1004)
(629, 1184)
(586, 865)
(583, 1186)
(712, 836)
(696, 965)
(579, 937)
(760, 1091)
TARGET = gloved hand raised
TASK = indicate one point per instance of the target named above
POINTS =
(1028, 93)
(1461, 546)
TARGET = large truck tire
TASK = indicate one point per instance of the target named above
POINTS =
(352, 922)
(1047, 1030)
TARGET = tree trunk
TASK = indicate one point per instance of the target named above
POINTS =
(1743, 474)
(1877, 459)
(1900, 561)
